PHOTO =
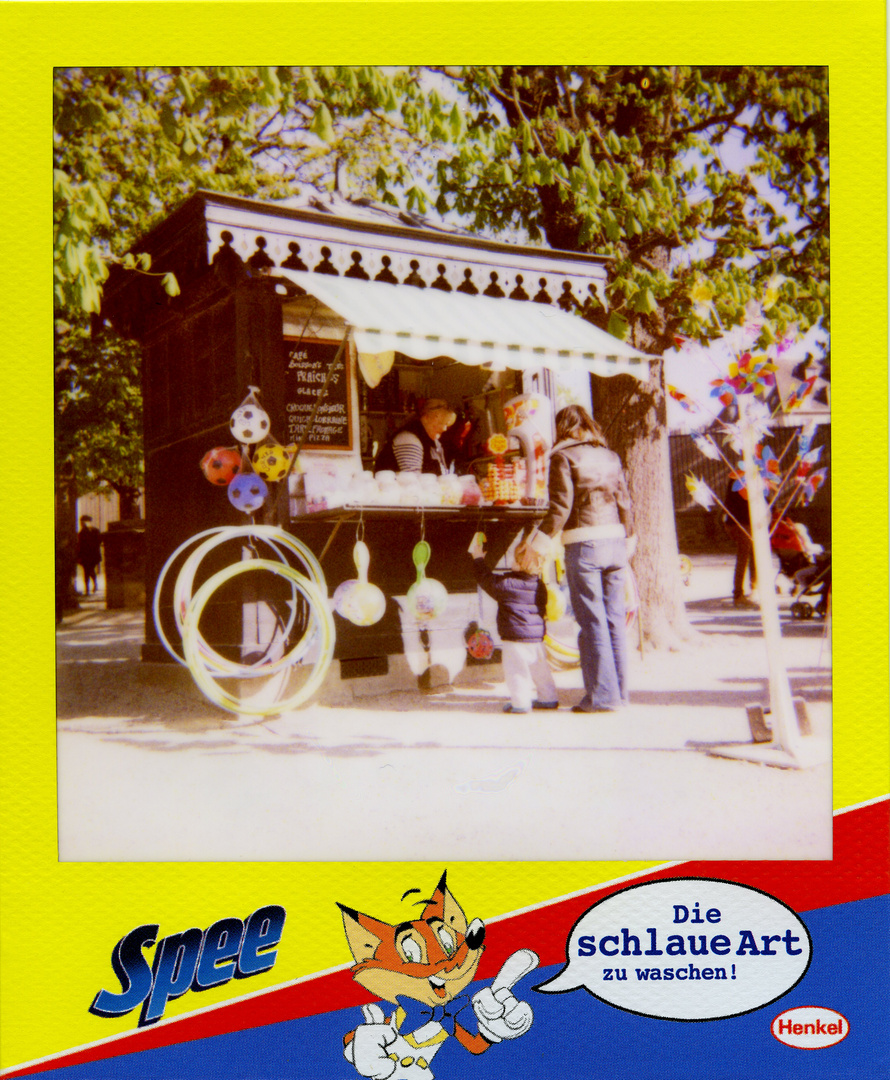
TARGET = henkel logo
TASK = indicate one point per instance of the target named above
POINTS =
(810, 1027)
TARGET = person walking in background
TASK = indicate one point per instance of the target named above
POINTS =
(89, 553)
(737, 522)
(522, 601)
(590, 505)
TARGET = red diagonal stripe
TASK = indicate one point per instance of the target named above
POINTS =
(860, 869)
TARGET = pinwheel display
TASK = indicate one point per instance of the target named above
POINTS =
(700, 491)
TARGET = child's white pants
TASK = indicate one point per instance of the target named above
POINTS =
(526, 670)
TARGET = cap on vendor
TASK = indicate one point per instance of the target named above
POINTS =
(417, 446)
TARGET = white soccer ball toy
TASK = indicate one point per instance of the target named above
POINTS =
(250, 422)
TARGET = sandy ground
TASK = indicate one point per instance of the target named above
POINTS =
(150, 770)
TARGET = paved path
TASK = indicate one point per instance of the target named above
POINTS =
(148, 769)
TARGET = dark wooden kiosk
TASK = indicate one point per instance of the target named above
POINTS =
(344, 323)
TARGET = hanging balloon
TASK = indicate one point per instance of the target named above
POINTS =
(270, 461)
(247, 492)
(221, 464)
(250, 422)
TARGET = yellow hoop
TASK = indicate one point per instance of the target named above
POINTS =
(203, 670)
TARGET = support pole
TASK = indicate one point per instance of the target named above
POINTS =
(788, 747)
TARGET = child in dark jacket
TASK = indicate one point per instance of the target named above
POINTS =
(522, 601)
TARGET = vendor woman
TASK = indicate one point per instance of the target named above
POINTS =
(416, 446)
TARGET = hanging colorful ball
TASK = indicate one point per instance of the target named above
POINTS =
(480, 645)
(270, 461)
(249, 423)
(247, 492)
(221, 464)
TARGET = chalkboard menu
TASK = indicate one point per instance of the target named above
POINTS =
(307, 367)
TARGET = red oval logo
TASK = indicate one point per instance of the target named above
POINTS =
(810, 1027)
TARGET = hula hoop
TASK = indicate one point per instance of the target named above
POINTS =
(323, 630)
(182, 599)
(271, 534)
(560, 655)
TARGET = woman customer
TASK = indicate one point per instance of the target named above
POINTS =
(590, 504)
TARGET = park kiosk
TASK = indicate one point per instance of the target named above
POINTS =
(342, 324)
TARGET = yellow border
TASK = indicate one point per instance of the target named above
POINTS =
(59, 921)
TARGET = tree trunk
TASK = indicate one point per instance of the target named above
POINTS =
(633, 416)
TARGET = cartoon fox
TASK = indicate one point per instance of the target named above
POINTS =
(422, 967)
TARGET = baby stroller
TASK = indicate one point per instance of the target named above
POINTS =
(805, 564)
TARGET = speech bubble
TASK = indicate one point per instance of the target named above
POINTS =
(685, 949)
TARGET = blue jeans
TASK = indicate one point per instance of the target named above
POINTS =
(595, 571)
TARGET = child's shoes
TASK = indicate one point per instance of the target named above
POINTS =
(514, 708)
(545, 704)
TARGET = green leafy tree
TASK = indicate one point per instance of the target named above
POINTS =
(633, 163)
(708, 190)
(99, 412)
(130, 144)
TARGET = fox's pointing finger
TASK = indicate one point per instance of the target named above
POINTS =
(515, 967)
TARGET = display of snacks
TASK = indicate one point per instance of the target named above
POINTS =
(503, 482)
(323, 486)
(470, 492)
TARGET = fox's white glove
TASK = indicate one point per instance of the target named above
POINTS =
(367, 1050)
(498, 1013)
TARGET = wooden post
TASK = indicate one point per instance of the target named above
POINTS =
(788, 747)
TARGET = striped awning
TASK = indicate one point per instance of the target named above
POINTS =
(478, 330)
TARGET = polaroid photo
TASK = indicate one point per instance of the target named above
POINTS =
(445, 503)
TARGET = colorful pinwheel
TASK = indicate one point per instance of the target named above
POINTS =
(768, 464)
(811, 484)
(752, 375)
(706, 447)
(683, 399)
(747, 375)
(700, 491)
(738, 483)
(806, 462)
(805, 439)
(724, 391)
(799, 394)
